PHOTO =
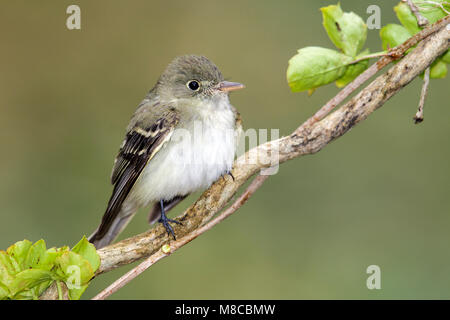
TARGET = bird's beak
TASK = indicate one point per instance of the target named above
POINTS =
(226, 86)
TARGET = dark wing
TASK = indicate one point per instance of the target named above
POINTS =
(140, 145)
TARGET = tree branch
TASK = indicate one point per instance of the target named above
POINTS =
(393, 54)
(309, 138)
(166, 250)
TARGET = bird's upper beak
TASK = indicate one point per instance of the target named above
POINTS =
(226, 86)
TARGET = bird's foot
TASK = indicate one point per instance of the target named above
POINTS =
(166, 223)
(228, 173)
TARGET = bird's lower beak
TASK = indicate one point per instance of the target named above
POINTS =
(226, 86)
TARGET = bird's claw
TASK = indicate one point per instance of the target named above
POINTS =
(229, 174)
(165, 222)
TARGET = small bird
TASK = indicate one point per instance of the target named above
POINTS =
(182, 137)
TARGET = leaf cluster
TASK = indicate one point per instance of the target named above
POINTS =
(27, 269)
(394, 34)
(313, 67)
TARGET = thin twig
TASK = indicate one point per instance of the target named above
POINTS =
(174, 246)
(344, 93)
(421, 20)
(370, 56)
(438, 4)
(418, 118)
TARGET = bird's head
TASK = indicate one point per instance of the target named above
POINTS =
(195, 77)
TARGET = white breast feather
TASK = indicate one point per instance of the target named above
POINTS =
(191, 160)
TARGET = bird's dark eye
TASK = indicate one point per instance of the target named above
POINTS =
(193, 85)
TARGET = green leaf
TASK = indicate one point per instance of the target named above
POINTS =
(87, 251)
(19, 252)
(75, 271)
(409, 20)
(313, 67)
(27, 269)
(446, 57)
(73, 266)
(430, 11)
(346, 30)
(63, 250)
(38, 290)
(28, 279)
(392, 35)
(16, 274)
(353, 70)
(4, 291)
(406, 17)
(47, 259)
(7, 268)
(75, 294)
(438, 70)
(34, 254)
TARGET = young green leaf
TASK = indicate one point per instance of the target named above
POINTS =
(28, 279)
(346, 30)
(313, 67)
(34, 254)
(7, 268)
(19, 252)
(446, 57)
(39, 289)
(87, 251)
(4, 291)
(392, 35)
(431, 11)
(408, 19)
(72, 264)
(438, 70)
(47, 259)
(76, 272)
(353, 70)
(75, 293)
(26, 269)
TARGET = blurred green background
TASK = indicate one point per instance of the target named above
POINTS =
(379, 195)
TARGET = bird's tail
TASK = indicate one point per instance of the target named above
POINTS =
(109, 229)
(102, 238)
